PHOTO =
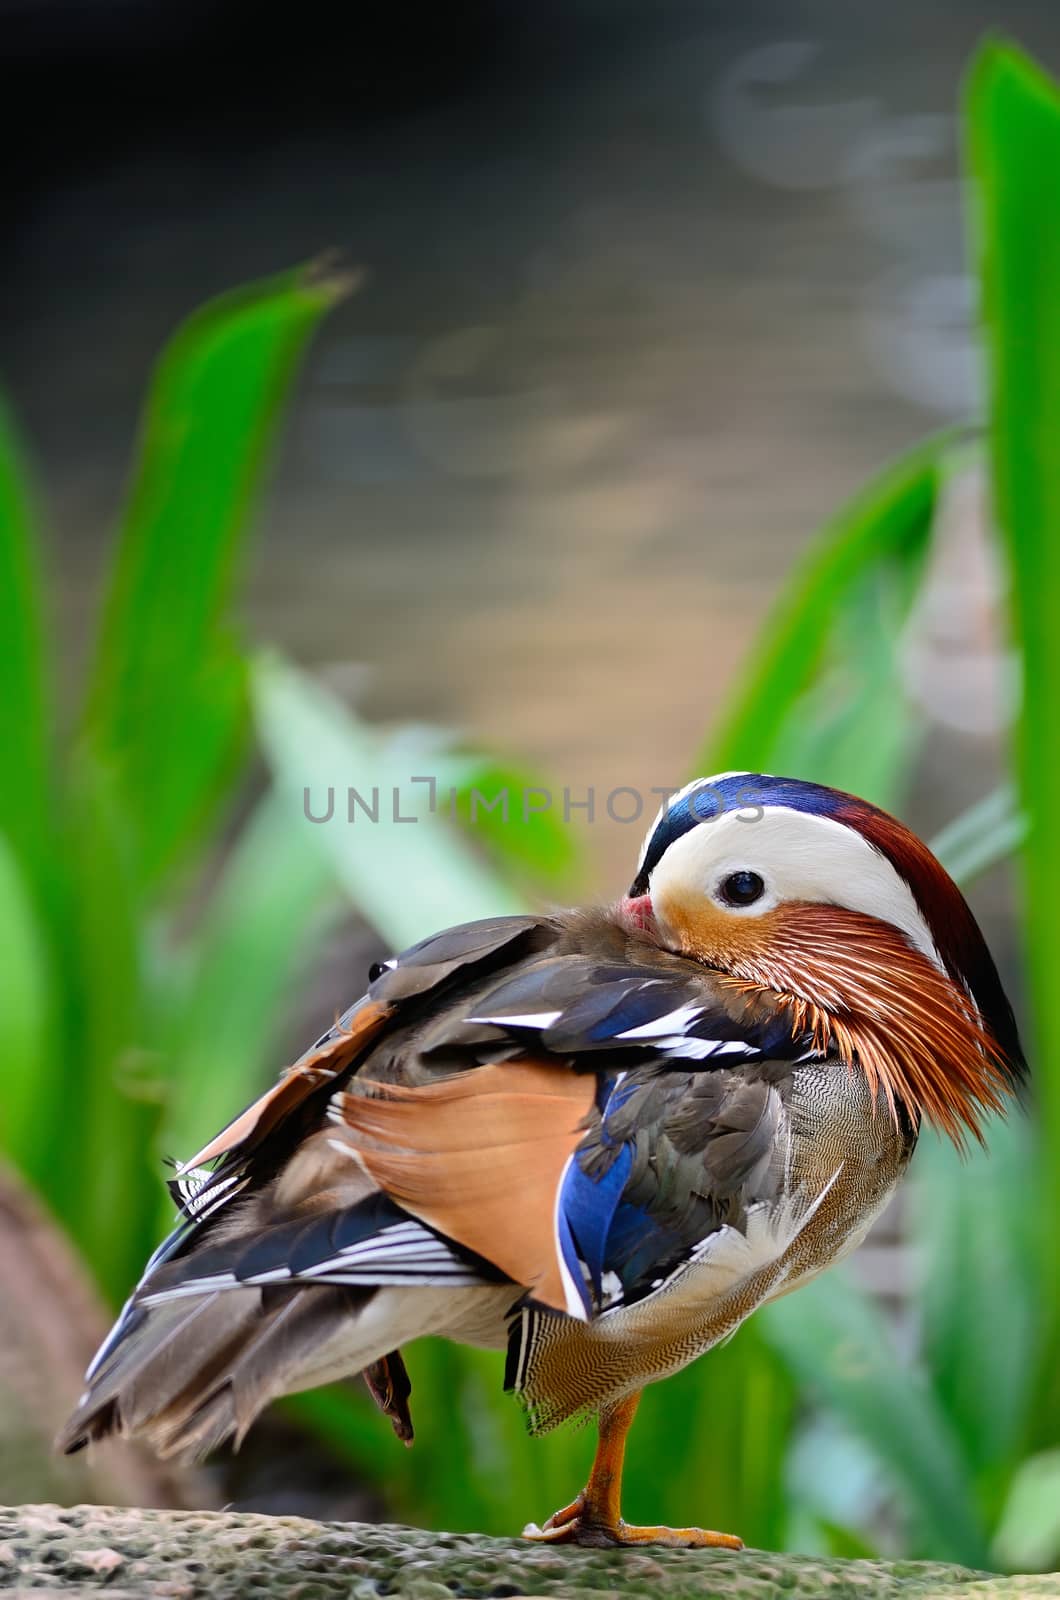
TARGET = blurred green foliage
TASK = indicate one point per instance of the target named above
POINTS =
(148, 967)
(99, 838)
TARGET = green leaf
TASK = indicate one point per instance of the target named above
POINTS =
(264, 923)
(515, 817)
(822, 697)
(168, 695)
(1028, 1536)
(26, 800)
(407, 877)
(835, 1341)
(975, 1233)
(977, 1293)
(846, 1544)
(103, 1183)
(29, 1068)
(1013, 136)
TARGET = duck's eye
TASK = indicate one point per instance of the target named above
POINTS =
(742, 888)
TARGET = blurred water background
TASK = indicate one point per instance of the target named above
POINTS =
(651, 288)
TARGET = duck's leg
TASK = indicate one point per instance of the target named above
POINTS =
(595, 1517)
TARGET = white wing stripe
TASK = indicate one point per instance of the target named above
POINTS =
(458, 1277)
(693, 1049)
(403, 1252)
(530, 1019)
(674, 1022)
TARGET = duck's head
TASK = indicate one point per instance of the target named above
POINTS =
(844, 915)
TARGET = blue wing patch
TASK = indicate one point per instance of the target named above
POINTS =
(586, 1211)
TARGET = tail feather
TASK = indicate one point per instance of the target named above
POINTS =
(199, 1353)
(188, 1378)
(159, 1366)
(305, 1339)
(318, 1275)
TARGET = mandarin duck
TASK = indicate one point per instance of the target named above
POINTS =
(597, 1139)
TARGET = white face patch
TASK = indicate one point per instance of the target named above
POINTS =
(798, 856)
(703, 784)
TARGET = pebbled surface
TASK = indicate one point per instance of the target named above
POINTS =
(175, 1555)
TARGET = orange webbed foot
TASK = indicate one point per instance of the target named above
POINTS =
(677, 1538)
(593, 1517)
(574, 1524)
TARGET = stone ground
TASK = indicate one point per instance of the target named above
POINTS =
(86, 1550)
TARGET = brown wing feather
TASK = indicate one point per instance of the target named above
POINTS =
(307, 1074)
(479, 1157)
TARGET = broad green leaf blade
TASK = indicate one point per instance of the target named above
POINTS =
(1028, 1537)
(262, 927)
(1013, 131)
(975, 1235)
(520, 820)
(168, 695)
(846, 1544)
(103, 1146)
(409, 878)
(29, 1066)
(26, 800)
(835, 1341)
(517, 818)
(854, 728)
(821, 697)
